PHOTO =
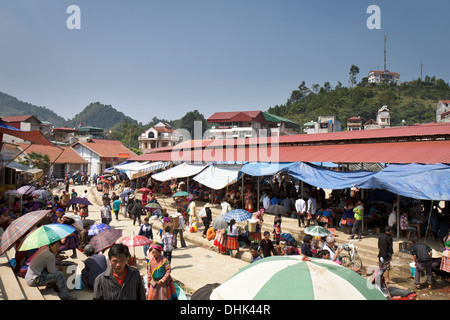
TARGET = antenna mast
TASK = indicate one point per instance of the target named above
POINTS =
(385, 52)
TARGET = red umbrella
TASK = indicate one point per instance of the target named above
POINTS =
(145, 190)
(135, 241)
(105, 239)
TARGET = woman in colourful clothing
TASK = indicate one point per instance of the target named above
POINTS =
(159, 281)
(445, 262)
(255, 237)
(232, 237)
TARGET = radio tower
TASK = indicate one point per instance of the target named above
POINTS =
(385, 52)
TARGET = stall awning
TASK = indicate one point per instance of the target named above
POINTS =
(181, 171)
(218, 176)
(148, 168)
(424, 182)
(22, 168)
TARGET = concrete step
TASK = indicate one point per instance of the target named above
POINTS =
(10, 288)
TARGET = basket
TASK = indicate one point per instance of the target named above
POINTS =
(251, 225)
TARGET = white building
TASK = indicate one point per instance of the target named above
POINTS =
(383, 76)
(443, 111)
(323, 125)
(160, 136)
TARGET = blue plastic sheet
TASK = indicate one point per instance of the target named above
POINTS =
(327, 179)
(424, 182)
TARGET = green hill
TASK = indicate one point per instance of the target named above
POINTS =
(11, 106)
(414, 102)
(100, 115)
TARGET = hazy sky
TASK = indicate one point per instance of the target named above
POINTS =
(163, 58)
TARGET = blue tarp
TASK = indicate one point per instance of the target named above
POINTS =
(259, 169)
(424, 182)
(327, 179)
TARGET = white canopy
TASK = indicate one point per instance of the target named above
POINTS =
(218, 176)
(181, 171)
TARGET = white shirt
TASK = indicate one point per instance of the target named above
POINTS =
(106, 211)
(300, 205)
(225, 207)
(266, 202)
(312, 206)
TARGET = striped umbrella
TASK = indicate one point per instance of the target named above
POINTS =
(45, 235)
(105, 239)
(97, 228)
(19, 227)
(296, 278)
(238, 215)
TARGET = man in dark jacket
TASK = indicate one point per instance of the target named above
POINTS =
(422, 257)
(137, 212)
(93, 266)
(119, 281)
(385, 251)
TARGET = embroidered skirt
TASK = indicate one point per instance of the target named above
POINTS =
(232, 242)
(445, 262)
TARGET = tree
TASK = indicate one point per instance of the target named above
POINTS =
(354, 70)
(37, 160)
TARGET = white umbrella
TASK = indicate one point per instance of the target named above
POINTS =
(78, 222)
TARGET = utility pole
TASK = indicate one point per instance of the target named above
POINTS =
(421, 65)
(385, 52)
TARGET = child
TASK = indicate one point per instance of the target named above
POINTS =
(168, 241)
(254, 251)
(146, 231)
(277, 229)
(116, 205)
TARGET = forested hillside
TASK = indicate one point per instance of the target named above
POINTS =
(414, 102)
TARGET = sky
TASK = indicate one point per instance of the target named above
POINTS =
(162, 59)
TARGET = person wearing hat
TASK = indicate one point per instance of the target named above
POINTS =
(94, 265)
(159, 281)
(206, 216)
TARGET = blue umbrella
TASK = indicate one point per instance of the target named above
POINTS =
(97, 228)
(126, 193)
(238, 215)
(288, 237)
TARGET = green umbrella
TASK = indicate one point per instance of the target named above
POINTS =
(154, 205)
(296, 278)
(180, 194)
(317, 231)
(45, 235)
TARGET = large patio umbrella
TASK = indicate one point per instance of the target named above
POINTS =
(19, 227)
(105, 239)
(238, 215)
(45, 235)
(294, 278)
(317, 231)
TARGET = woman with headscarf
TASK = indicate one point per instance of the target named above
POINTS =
(159, 281)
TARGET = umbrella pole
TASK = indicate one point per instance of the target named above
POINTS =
(258, 194)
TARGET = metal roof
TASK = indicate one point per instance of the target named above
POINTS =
(395, 152)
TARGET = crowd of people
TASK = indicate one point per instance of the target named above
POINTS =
(110, 276)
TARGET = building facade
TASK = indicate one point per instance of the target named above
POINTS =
(160, 136)
(443, 111)
(383, 77)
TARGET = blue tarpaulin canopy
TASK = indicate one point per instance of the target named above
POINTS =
(259, 169)
(417, 181)
(327, 179)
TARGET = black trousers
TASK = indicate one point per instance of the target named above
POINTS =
(206, 222)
